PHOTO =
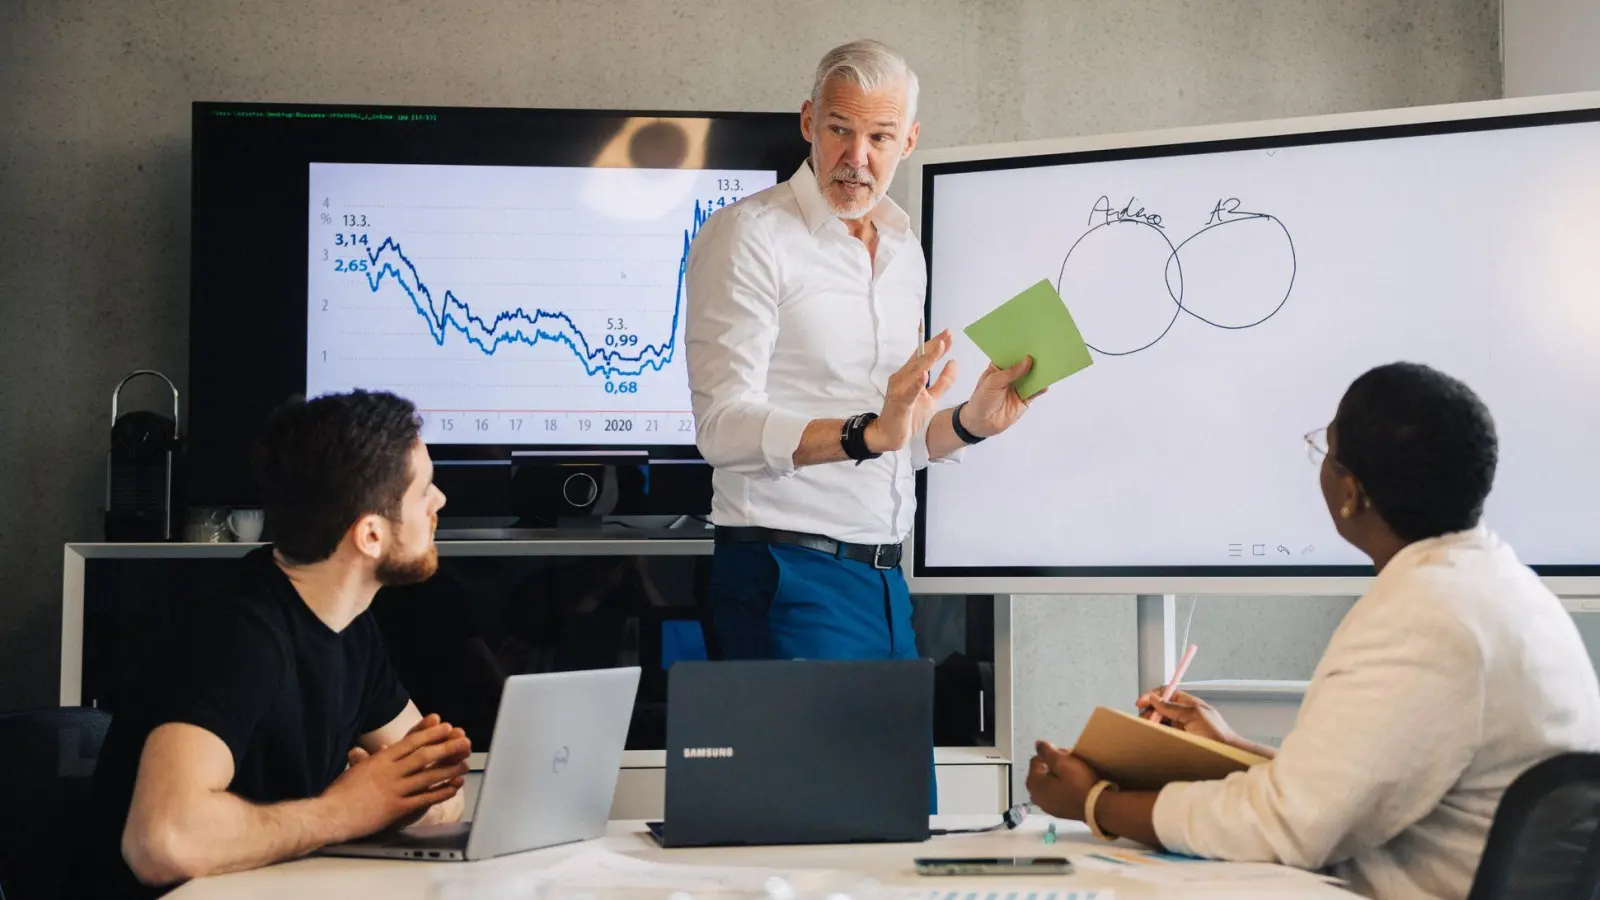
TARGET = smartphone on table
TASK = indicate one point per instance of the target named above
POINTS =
(994, 865)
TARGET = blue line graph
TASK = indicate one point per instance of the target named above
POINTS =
(522, 327)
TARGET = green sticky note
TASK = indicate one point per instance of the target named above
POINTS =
(1033, 323)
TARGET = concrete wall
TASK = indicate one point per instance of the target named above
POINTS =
(94, 106)
(1549, 46)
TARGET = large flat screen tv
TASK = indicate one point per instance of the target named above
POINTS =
(518, 273)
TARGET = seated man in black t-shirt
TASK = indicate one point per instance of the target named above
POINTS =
(276, 725)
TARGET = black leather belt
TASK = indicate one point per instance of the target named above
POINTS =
(878, 556)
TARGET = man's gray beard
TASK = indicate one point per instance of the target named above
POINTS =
(848, 214)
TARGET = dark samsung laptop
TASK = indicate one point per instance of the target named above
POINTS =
(797, 752)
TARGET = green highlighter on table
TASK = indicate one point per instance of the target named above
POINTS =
(1034, 323)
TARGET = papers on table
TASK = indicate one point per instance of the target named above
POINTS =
(593, 874)
(1172, 870)
(597, 874)
(991, 892)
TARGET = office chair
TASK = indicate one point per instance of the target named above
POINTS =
(47, 760)
(1545, 839)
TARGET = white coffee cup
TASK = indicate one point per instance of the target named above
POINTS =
(246, 524)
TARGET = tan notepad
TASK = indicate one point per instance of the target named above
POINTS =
(1139, 755)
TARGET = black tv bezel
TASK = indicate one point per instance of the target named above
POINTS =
(637, 453)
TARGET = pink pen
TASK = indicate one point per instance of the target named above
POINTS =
(1172, 686)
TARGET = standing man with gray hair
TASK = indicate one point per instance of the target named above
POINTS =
(811, 381)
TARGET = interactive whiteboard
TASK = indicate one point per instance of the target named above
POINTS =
(1232, 283)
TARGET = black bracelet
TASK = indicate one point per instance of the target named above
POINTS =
(966, 436)
(853, 437)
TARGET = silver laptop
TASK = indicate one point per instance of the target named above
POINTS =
(550, 776)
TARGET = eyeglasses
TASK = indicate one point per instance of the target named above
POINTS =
(1317, 444)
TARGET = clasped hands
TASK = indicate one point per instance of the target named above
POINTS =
(400, 784)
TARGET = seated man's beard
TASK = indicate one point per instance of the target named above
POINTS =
(397, 571)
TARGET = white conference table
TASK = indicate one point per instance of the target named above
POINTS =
(890, 865)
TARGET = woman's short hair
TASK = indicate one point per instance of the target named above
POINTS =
(1422, 445)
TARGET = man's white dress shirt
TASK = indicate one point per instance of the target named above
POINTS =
(789, 320)
(1455, 673)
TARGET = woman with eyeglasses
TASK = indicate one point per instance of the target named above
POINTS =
(1455, 672)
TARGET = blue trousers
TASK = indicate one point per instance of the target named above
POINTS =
(780, 601)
